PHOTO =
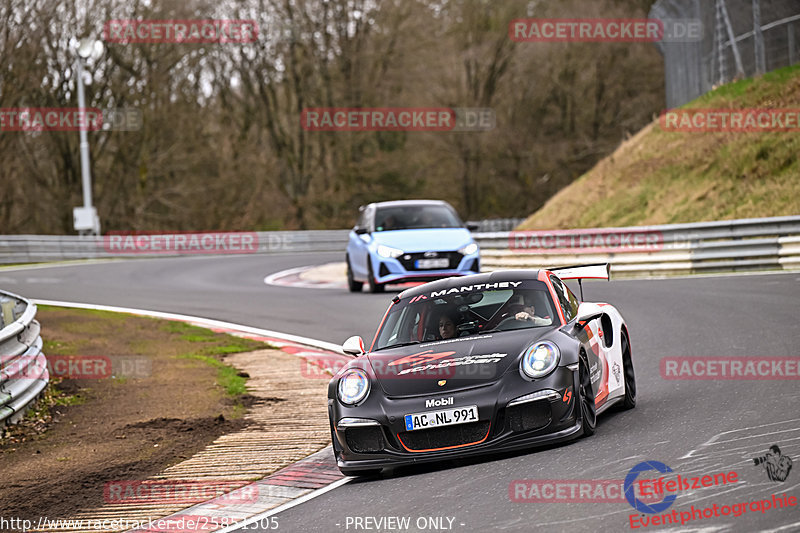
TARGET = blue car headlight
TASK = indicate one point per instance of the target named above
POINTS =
(388, 251)
(469, 249)
(353, 386)
(540, 359)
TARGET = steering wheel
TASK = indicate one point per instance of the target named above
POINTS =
(507, 320)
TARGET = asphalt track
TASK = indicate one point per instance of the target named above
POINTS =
(695, 427)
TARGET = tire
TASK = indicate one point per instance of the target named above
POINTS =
(630, 378)
(371, 283)
(360, 472)
(352, 284)
(586, 398)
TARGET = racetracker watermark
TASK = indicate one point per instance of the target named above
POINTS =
(75, 366)
(585, 241)
(179, 523)
(321, 365)
(179, 491)
(205, 31)
(547, 30)
(31, 119)
(731, 120)
(343, 119)
(181, 243)
(730, 368)
(571, 491)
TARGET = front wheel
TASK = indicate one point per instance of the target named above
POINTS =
(352, 284)
(630, 379)
(373, 285)
(586, 397)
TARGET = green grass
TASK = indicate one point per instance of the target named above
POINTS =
(51, 347)
(193, 342)
(748, 92)
(69, 399)
(70, 332)
(663, 177)
(227, 376)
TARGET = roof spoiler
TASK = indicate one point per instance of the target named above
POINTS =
(596, 271)
(582, 272)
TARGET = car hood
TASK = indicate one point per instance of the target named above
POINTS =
(424, 240)
(454, 364)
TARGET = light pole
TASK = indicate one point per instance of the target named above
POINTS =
(85, 218)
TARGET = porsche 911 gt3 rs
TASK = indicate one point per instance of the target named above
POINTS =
(491, 362)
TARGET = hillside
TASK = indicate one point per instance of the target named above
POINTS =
(660, 177)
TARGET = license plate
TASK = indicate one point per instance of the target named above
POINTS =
(445, 417)
(433, 263)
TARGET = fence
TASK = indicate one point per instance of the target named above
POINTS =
(23, 366)
(741, 38)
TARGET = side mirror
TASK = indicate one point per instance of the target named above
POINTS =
(473, 227)
(588, 311)
(360, 231)
(354, 346)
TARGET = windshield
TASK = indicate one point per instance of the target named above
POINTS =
(503, 307)
(416, 217)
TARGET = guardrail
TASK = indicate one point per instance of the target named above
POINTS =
(735, 245)
(23, 366)
(705, 247)
(40, 248)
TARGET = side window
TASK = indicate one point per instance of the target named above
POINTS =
(567, 300)
(369, 215)
(362, 218)
(573, 301)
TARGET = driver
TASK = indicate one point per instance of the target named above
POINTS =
(528, 314)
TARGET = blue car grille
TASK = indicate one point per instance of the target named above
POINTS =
(409, 261)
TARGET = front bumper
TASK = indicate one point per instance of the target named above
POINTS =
(513, 414)
(394, 270)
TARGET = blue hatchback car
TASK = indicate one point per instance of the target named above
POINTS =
(408, 240)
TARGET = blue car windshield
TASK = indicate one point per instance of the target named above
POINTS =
(415, 217)
(457, 313)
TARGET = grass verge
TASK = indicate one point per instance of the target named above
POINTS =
(662, 177)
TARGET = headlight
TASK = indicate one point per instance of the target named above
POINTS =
(353, 386)
(540, 359)
(388, 251)
(468, 249)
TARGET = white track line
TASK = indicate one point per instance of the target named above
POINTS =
(274, 279)
(288, 505)
(208, 322)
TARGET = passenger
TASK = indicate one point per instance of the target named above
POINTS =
(447, 325)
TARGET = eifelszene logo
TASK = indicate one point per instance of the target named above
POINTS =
(774, 463)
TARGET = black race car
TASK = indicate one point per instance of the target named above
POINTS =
(484, 363)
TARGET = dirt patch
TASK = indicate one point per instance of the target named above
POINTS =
(117, 428)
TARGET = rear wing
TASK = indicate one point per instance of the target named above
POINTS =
(598, 271)
(582, 272)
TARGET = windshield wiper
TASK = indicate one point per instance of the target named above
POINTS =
(398, 345)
